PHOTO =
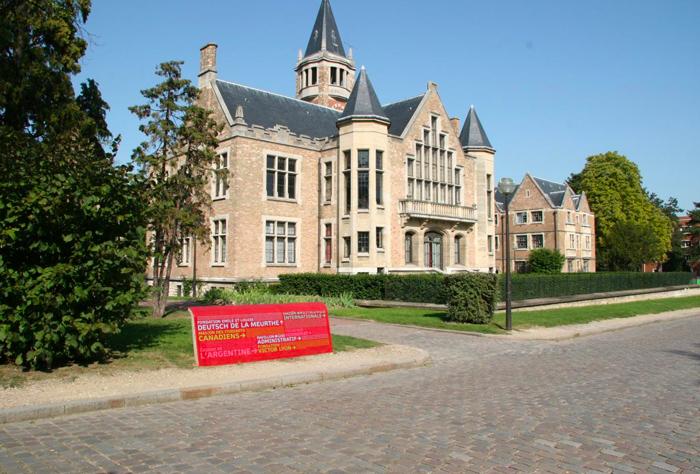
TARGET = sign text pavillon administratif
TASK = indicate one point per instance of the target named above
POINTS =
(247, 333)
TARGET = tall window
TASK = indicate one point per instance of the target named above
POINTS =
(218, 236)
(182, 256)
(408, 247)
(379, 174)
(363, 242)
(347, 178)
(328, 243)
(280, 242)
(458, 249)
(328, 181)
(379, 237)
(410, 189)
(490, 243)
(334, 75)
(281, 177)
(363, 179)
(458, 186)
(314, 76)
(572, 241)
(489, 196)
(221, 176)
(347, 247)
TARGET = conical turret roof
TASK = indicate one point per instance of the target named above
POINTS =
(473, 134)
(363, 102)
(325, 35)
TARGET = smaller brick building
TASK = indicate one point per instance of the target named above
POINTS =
(545, 214)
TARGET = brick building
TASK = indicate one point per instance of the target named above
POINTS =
(545, 214)
(333, 181)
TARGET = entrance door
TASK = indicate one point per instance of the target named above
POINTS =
(433, 250)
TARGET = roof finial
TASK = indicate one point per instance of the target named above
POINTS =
(362, 68)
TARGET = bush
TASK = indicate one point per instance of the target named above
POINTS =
(530, 286)
(363, 287)
(546, 261)
(425, 288)
(471, 297)
(262, 295)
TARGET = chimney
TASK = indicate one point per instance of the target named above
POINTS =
(455, 124)
(207, 65)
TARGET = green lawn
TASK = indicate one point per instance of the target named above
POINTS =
(146, 343)
(521, 319)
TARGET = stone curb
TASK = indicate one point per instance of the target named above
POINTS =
(25, 413)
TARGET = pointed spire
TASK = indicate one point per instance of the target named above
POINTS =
(363, 102)
(325, 35)
(473, 134)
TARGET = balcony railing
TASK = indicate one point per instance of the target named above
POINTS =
(437, 211)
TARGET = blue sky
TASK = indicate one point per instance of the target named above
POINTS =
(553, 81)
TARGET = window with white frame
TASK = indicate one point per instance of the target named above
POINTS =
(328, 181)
(347, 181)
(489, 196)
(218, 236)
(588, 242)
(434, 175)
(521, 217)
(280, 242)
(586, 266)
(182, 256)
(281, 177)
(537, 241)
(490, 243)
(537, 217)
(585, 219)
(363, 242)
(569, 218)
(521, 242)
(379, 238)
(347, 247)
(363, 179)
(572, 241)
(221, 176)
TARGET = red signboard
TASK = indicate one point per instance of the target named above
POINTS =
(246, 333)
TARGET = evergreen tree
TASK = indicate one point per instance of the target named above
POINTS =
(176, 160)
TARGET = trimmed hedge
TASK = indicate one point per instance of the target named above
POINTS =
(529, 286)
(430, 288)
(471, 297)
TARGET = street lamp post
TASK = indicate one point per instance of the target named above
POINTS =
(506, 187)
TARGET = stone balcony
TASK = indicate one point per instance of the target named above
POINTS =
(436, 211)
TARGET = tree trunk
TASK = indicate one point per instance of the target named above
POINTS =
(163, 289)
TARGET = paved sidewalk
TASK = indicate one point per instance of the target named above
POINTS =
(624, 401)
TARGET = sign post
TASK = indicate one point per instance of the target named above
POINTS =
(247, 333)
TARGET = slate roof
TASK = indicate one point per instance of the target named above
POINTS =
(325, 35)
(400, 113)
(501, 199)
(363, 101)
(554, 191)
(473, 134)
(267, 110)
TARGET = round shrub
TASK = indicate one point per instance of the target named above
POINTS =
(471, 297)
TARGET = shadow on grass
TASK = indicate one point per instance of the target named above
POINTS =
(141, 335)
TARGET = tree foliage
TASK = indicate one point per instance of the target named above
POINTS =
(546, 261)
(176, 161)
(693, 256)
(72, 251)
(614, 189)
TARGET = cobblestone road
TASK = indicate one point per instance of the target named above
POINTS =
(625, 401)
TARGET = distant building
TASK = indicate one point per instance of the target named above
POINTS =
(545, 214)
(333, 181)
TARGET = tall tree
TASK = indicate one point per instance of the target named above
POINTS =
(176, 160)
(614, 189)
(72, 252)
(694, 249)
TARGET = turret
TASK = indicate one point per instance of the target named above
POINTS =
(325, 73)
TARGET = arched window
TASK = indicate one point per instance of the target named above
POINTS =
(433, 250)
(408, 247)
(459, 257)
